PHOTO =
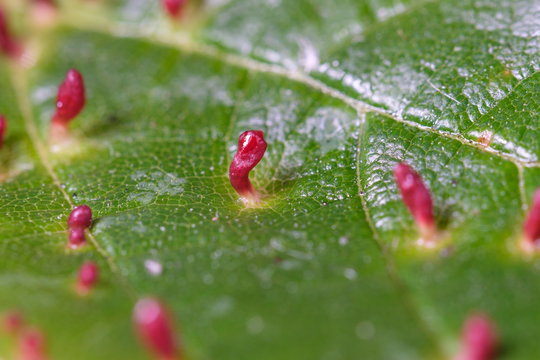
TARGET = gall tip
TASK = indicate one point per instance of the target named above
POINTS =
(154, 328)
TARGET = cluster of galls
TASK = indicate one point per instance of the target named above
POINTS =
(29, 340)
(79, 220)
(152, 321)
(71, 94)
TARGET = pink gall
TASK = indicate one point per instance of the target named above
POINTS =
(417, 198)
(80, 217)
(8, 45)
(87, 278)
(76, 238)
(154, 328)
(31, 345)
(3, 127)
(70, 99)
(478, 339)
(12, 322)
(174, 7)
(251, 149)
(531, 226)
(43, 12)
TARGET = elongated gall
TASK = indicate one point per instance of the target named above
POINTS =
(3, 127)
(478, 339)
(174, 7)
(251, 149)
(70, 99)
(8, 45)
(417, 198)
(154, 328)
(531, 226)
(80, 217)
(88, 277)
(31, 345)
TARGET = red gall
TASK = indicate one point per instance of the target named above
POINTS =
(478, 339)
(417, 198)
(3, 127)
(251, 149)
(70, 99)
(88, 277)
(154, 327)
(31, 345)
(531, 226)
(174, 7)
(80, 217)
(76, 238)
(8, 45)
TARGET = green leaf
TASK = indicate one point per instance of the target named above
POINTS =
(328, 266)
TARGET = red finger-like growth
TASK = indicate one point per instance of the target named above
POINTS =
(88, 277)
(3, 127)
(80, 217)
(174, 7)
(251, 149)
(31, 345)
(416, 197)
(154, 328)
(8, 45)
(70, 99)
(479, 339)
(531, 227)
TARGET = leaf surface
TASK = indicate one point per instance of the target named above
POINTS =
(328, 266)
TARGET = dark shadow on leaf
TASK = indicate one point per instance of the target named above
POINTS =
(107, 125)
